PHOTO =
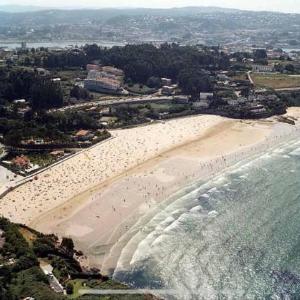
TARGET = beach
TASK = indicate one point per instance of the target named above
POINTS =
(98, 195)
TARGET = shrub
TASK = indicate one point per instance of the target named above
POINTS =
(70, 288)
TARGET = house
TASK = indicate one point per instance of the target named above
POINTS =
(84, 135)
(23, 110)
(42, 72)
(232, 102)
(222, 77)
(19, 101)
(57, 153)
(14, 57)
(166, 81)
(201, 104)
(258, 110)
(167, 90)
(242, 100)
(56, 79)
(105, 111)
(206, 96)
(21, 162)
(5, 53)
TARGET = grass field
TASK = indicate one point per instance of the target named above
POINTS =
(276, 81)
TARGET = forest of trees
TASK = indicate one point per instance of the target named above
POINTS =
(140, 62)
(24, 278)
(23, 84)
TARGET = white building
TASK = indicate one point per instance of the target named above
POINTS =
(232, 102)
(202, 104)
(100, 82)
(166, 81)
(262, 68)
(167, 90)
(19, 101)
(206, 96)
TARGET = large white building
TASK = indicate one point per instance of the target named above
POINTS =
(103, 82)
(263, 68)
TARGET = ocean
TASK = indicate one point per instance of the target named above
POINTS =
(235, 236)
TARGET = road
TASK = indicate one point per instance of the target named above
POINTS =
(288, 89)
(116, 101)
(250, 78)
(53, 281)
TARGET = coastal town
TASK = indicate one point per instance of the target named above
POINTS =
(92, 101)
(95, 140)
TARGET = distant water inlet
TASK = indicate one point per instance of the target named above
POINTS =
(236, 236)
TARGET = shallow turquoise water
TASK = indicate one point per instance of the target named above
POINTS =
(236, 236)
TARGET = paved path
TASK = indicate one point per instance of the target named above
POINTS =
(288, 89)
(118, 101)
(250, 78)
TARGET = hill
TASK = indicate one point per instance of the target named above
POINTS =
(192, 25)
(32, 263)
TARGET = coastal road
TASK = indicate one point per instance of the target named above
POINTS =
(116, 101)
(53, 281)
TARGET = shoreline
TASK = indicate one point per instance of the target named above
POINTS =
(99, 218)
(103, 247)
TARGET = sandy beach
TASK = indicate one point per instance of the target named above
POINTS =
(96, 196)
(126, 150)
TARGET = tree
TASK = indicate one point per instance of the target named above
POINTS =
(260, 56)
(290, 68)
(79, 93)
(27, 61)
(193, 82)
(245, 92)
(154, 82)
(69, 288)
(25, 262)
(46, 94)
(44, 245)
(67, 246)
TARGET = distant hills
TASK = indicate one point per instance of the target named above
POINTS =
(209, 25)
(175, 10)
(11, 15)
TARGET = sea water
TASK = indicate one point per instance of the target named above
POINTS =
(235, 236)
